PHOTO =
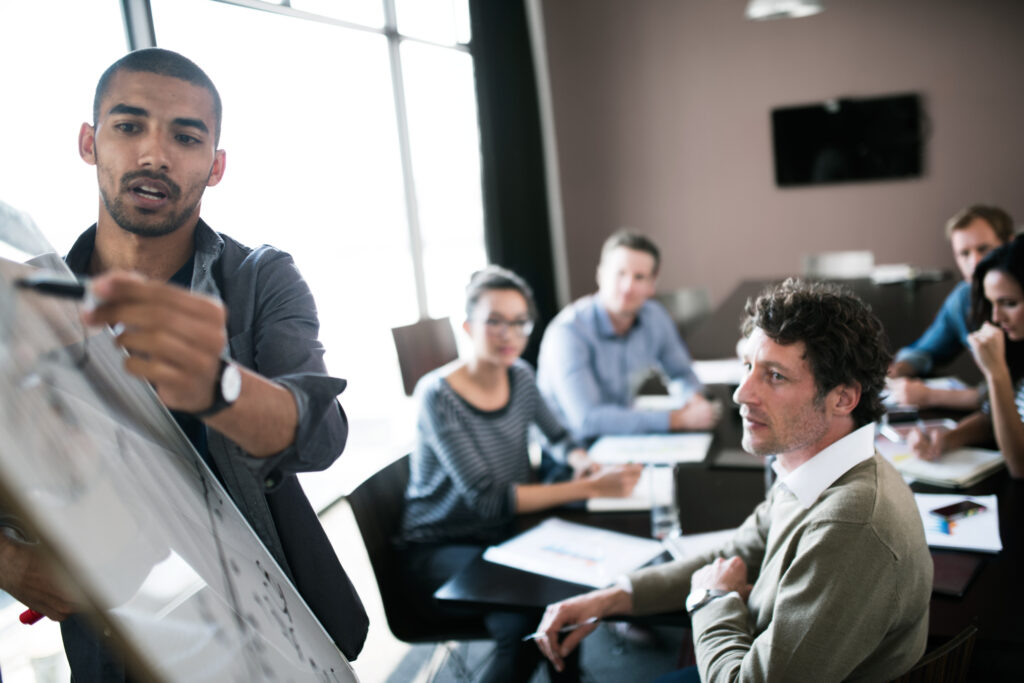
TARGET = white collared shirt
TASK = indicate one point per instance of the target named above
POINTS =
(808, 481)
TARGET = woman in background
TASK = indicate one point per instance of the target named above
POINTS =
(997, 345)
(470, 472)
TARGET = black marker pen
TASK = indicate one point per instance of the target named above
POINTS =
(54, 285)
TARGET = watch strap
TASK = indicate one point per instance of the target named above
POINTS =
(219, 402)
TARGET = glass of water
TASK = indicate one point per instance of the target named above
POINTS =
(664, 511)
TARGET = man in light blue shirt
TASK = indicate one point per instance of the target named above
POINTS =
(973, 232)
(598, 351)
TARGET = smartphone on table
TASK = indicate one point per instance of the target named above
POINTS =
(954, 511)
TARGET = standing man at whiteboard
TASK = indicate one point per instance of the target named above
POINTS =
(226, 335)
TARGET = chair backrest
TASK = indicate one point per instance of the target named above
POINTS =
(377, 505)
(423, 346)
(687, 306)
(945, 664)
(839, 265)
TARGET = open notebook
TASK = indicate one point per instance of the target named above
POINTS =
(956, 469)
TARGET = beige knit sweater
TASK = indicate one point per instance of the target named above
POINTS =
(841, 590)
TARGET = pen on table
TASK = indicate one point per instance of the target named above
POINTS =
(29, 617)
(564, 629)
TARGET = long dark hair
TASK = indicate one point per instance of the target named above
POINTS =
(1007, 259)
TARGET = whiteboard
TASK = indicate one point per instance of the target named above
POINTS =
(97, 468)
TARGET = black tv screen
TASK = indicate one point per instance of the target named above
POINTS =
(848, 139)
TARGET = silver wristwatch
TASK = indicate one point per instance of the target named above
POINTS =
(697, 599)
(225, 390)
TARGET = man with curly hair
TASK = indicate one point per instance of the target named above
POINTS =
(830, 578)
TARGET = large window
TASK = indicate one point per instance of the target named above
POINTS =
(349, 144)
(48, 72)
(312, 130)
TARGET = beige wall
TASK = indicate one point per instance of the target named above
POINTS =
(661, 114)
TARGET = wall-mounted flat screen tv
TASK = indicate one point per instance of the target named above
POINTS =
(845, 140)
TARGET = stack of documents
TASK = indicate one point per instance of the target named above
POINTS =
(651, 449)
(575, 552)
(978, 532)
(891, 273)
(721, 371)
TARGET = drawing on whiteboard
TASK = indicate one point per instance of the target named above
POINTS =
(96, 467)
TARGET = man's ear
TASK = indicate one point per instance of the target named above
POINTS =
(87, 144)
(844, 398)
(220, 162)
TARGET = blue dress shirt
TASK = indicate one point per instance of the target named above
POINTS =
(946, 337)
(590, 375)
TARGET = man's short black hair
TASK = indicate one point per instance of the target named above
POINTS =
(155, 60)
(843, 339)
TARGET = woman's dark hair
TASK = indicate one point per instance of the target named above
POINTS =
(1008, 259)
(497, 278)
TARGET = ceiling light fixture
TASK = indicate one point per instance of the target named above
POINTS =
(760, 10)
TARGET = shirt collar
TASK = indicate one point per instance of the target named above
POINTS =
(208, 247)
(808, 481)
(78, 258)
(604, 322)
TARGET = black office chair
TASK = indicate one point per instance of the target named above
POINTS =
(377, 506)
(423, 346)
(945, 664)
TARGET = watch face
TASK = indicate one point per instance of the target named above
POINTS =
(693, 600)
(230, 383)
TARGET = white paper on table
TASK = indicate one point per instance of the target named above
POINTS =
(977, 532)
(720, 371)
(942, 383)
(691, 545)
(651, 449)
(575, 552)
(655, 484)
(657, 402)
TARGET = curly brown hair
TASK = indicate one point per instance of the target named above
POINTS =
(844, 340)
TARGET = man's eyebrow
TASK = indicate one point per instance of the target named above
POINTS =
(191, 123)
(128, 109)
(775, 365)
(181, 121)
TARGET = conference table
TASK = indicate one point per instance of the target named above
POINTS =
(721, 491)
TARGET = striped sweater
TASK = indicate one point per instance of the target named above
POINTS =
(467, 462)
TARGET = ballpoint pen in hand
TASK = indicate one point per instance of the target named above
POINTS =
(564, 629)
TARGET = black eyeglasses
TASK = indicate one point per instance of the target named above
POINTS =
(498, 327)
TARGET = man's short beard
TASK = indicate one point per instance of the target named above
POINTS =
(119, 213)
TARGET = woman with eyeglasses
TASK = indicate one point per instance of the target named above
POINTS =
(470, 471)
(997, 345)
